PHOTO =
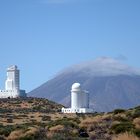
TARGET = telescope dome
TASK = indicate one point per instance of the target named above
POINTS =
(76, 86)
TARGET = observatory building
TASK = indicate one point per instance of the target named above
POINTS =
(79, 101)
(12, 84)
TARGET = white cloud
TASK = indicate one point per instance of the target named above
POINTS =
(103, 66)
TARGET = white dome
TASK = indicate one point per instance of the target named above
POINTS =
(76, 86)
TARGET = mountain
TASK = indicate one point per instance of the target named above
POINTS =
(110, 83)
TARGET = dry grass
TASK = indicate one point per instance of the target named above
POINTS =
(57, 128)
(54, 129)
(96, 125)
(125, 136)
(136, 122)
(106, 116)
(15, 135)
(32, 130)
(90, 121)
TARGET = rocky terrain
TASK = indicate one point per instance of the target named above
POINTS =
(41, 119)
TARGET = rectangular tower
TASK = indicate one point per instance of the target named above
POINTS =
(12, 81)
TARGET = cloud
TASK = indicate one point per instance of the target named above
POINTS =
(103, 66)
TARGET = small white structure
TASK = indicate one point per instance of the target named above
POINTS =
(79, 101)
(12, 84)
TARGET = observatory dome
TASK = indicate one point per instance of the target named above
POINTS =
(76, 87)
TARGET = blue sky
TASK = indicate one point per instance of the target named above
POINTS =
(44, 36)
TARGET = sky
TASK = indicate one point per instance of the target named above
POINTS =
(42, 37)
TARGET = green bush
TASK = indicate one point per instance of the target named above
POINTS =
(58, 137)
(137, 132)
(23, 115)
(67, 122)
(23, 126)
(136, 113)
(30, 101)
(128, 114)
(120, 119)
(40, 134)
(46, 118)
(138, 107)
(117, 111)
(6, 130)
(122, 127)
(9, 120)
(27, 138)
(37, 108)
(64, 136)
(3, 110)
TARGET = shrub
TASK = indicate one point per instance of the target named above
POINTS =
(136, 113)
(137, 132)
(18, 105)
(122, 127)
(34, 134)
(129, 114)
(22, 126)
(6, 130)
(58, 137)
(9, 120)
(120, 118)
(67, 122)
(117, 111)
(37, 108)
(27, 138)
(46, 118)
(30, 101)
(83, 133)
(2, 110)
(1, 125)
(23, 115)
(138, 107)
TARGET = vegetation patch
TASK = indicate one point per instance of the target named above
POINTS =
(117, 111)
(122, 127)
(66, 122)
(41, 119)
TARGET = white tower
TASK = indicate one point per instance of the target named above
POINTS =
(12, 88)
(79, 97)
(79, 101)
(12, 81)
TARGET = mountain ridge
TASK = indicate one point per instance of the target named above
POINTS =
(110, 83)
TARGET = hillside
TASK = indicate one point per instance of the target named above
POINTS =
(110, 83)
(41, 119)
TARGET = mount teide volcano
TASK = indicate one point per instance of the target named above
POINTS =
(111, 84)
